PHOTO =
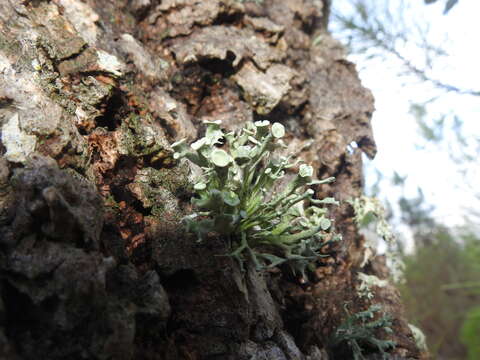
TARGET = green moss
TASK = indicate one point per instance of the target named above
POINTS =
(160, 189)
(174, 180)
(140, 139)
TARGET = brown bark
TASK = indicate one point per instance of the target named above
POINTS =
(95, 264)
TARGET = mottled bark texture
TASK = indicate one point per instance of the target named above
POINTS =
(94, 261)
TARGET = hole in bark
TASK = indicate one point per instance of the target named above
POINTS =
(219, 66)
(19, 311)
(140, 12)
(225, 18)
(365, 143)
(5, 102)
(114, 111)
(182, 279)
(295, 317)
(121, 193)
(284, 114)
(308, 25)
(141, 254)
(189, 86)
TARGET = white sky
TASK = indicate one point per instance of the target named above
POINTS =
(396, 131)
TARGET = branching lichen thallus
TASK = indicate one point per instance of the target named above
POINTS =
(238, 196)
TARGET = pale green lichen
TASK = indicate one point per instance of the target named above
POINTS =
(369, 211)
(419, 336)
(359, 333)
(364, 289)
(237, 197)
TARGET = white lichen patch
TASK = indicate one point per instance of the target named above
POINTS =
(142, 59)
(264, 90)
(37, 113)
(83, 18)
(371, 215)
(19, 144)
(419, 336)
(368, 254)
(110, 63)
(4, 64)
(368, 210)
(364, 289)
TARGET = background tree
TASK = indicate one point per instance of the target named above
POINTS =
(441, 271)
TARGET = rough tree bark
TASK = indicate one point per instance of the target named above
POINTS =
(94, 261)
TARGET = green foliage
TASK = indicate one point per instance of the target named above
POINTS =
(384, 29)
(416, 213)
(430, 132)
(470, 333)
(238, 197)
(358, 332)
(449, 4)
(441, 286)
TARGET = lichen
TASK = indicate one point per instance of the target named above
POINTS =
(264, 90)
(139, 137)
(419, 336)
(370, 211)
(18, 143)
(110, 63)
(238, 198)
(358, 333)
(364, 289)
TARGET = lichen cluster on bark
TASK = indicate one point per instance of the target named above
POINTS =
(94, 261)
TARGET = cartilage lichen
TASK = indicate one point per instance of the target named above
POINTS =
(237, 197)
(370, 211)
(358, 332)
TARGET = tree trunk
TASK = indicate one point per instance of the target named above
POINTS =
(94, 260)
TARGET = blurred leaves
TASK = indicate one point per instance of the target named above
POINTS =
(449, 4)
(416, 213)
(470, 333)
(443, 257)
(384, 29)
(441, 279)
(432, 130)
(398, 180)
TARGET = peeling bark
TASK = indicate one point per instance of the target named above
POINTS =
(95, 262)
